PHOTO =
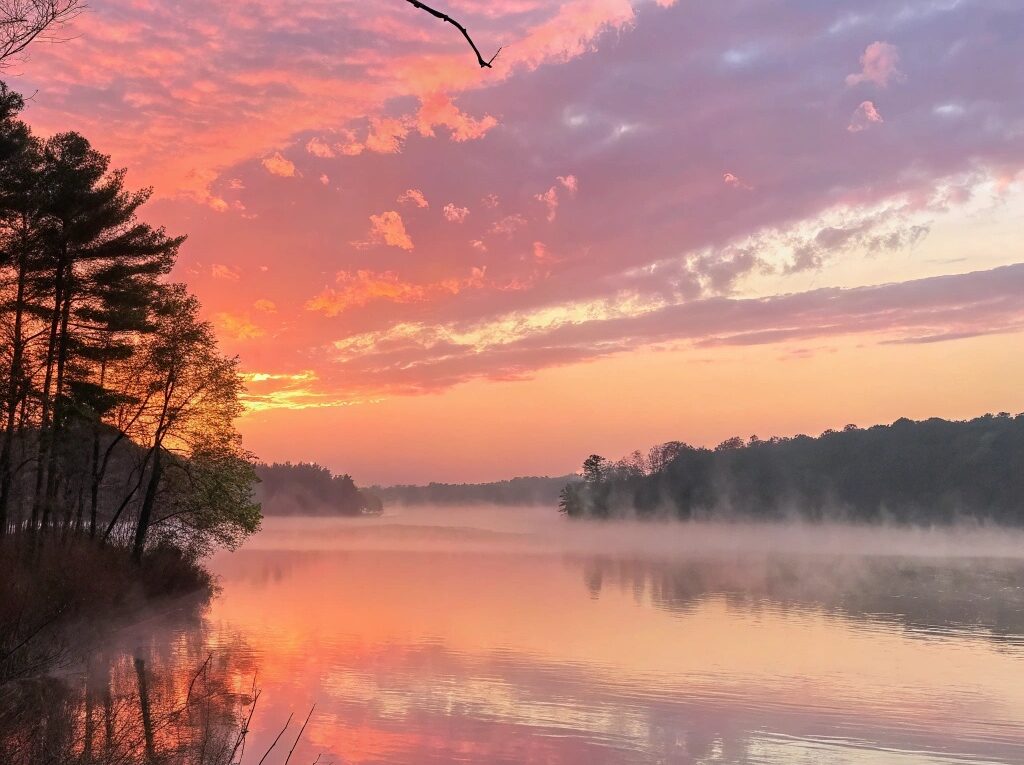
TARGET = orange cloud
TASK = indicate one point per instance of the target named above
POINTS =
(413, 196)
(220, 271)
(357, 289)
(386, 135)
(267, 306)
(389, 228)
(237, 327)
(278, 165)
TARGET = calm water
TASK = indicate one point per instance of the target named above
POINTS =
(432, 636)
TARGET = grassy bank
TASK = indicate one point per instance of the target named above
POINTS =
(57, 595)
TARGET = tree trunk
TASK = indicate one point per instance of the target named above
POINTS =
(52, 472)
(13, 394)
(42, 456)
(146, 511)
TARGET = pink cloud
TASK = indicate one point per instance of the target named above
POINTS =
(550, 198)
(386, 135)
(319, 148)
(731, 179)
(509, 224)
(454, 213)
(864, 116)
(542, 255)
(879, 65)
(437, 109)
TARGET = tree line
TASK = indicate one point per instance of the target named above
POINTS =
(117, 408)
(305, 488)
(525, 490)
(931, 471)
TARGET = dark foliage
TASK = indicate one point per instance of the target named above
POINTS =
(306, 488)
(933, 471)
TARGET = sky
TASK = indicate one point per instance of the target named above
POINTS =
(650, 220)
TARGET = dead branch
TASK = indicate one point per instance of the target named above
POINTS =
(484, 63)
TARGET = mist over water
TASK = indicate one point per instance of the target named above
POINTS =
(441, 635)
(505, 635)
(542, 530)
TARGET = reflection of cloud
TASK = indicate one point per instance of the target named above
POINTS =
(715, 686)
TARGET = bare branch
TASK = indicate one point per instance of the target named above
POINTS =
(484, 63)
(24, 21)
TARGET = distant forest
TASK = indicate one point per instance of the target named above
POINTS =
(933, 471)
(529, 490)
(306, 488)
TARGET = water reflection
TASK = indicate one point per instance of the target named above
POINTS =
(150, 696)
(468, 637)
(455, 638)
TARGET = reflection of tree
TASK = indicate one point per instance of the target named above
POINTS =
(162, 701)
(924, 595)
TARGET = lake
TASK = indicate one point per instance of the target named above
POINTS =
(513, 635)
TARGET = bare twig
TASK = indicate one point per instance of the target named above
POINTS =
(286, 724)
(300, 735)
(240, 741)
(484, 63)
